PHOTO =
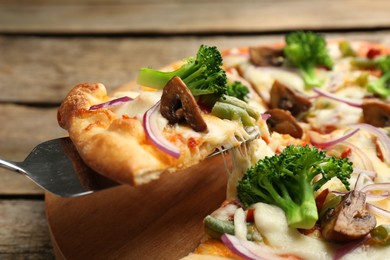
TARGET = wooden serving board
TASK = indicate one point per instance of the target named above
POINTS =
(160, 220)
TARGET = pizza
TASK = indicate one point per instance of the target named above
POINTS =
(337, 106)
(304, 122)
(165, 123)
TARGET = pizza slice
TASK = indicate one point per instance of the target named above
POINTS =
(172, 119)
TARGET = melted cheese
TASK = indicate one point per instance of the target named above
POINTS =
(242, 158)
(141, 103)
(272, 224)
(240, 229)
(264, 77)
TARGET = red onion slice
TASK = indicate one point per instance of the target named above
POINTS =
(383, 139)
(361, 181)
(385, 186)
(248, 250)
(373, 197)
(339, 193)
(378, 211)
(154, 134)
(349, 102)
(345, 249)
(364, 159)
(265, 116)
(370, 173)
(320, 144)
(112, 103)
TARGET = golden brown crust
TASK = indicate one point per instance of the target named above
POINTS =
(117, 146)
(114, 146)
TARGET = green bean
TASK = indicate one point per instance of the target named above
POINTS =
(346, 49)
(231, 112)
(242, 104)
(381, 234)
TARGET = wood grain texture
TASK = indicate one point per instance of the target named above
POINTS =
(160, 220)
(49, 66)
(22, 128)
(24, 230)
(178, 17)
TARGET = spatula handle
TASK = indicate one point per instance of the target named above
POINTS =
(11, 166)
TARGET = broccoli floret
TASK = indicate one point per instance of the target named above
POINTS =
(287, 180)
(381, 86)
(203, 75)
(238, 90)
(306, 51)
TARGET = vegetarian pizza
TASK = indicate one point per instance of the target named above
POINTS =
(172, 120)
(307, 123)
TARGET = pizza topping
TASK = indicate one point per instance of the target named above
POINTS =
(238, 90)
(266, 56)
(350, 102)
(376, 112)
(306, 51)
(349, 220)
(346, 49)
(286, 98)
(203, 74)
(249, 250)
(373, 53)
(112, 103)
(349, 247)
(231, 112)
(271, 222)
(380, 87)
(178, 104)
(281, 121)
(154, 134)
(241, 104)
(232, 108)
(287, 180)
(381, 235)
(382, 139)
(240, 228)
(315, 140)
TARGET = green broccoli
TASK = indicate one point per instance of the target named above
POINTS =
(238, 90)
(203, 75)
(306, 51)
(381, 86)
(287, 180)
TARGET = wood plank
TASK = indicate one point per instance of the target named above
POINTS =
(167, 223)
(24, 230)
(22, 128)
(50, 66)
(176, 17)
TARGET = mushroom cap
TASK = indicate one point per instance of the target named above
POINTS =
(349, 220)
(376, 112)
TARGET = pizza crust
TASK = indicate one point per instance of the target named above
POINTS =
(114, 146)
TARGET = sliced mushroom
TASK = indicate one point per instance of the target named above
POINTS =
(266, 56)
(285, 98)
(376, 112)
(281, 121)
(349, 220)
(178, 105)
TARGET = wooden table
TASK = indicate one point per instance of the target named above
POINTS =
(46, 47)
